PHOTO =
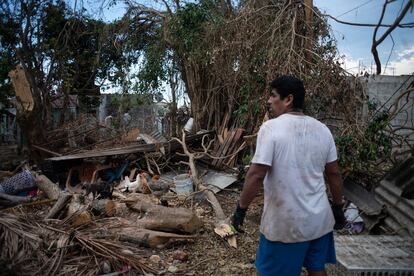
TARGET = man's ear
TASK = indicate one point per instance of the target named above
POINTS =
(289, 100)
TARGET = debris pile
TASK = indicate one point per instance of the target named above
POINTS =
(142, 207)
(110, 206)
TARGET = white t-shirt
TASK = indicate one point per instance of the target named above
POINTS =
(296, 206)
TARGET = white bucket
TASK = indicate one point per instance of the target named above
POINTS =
(189, 125)
(183, 184)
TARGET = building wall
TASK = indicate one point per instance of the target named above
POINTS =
(143, 118)
(384, 91)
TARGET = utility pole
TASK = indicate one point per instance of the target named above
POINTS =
(309, 31)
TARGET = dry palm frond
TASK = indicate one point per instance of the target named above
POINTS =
(18, 241)
(112, 251)
(14, 234)
(53, 264)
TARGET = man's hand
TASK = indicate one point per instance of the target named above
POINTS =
(339, 216)
(238, 218)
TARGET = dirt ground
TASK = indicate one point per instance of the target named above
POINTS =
(209, 254)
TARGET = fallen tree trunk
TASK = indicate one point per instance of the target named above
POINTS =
(63, 199)
(149, 238)
(156, 217)
(51, 190)
(214, 202)
(197, 181)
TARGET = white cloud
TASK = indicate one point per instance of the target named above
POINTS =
(402, 67)
(406, 52)
(355, 66)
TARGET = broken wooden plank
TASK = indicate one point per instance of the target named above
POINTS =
(226, 147)
(24, 97)
(221, 149)
(234, 144)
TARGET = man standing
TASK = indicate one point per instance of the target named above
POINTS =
(292, 154)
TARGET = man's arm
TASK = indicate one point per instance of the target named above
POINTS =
(334, 181)
(252, 183)
(335, 186)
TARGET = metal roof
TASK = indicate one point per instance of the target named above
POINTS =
(168, 146)
(395, 191)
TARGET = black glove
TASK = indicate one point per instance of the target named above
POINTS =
(238, 218)
(339, 216)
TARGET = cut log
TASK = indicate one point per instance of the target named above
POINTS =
(63, 199)
(156, 217)
(77, 213)
(149, 238)
(103, 207)
(81, 218)
(46, 185)
(76, 204)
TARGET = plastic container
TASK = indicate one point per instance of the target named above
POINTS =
(189, 125)
(183, 184)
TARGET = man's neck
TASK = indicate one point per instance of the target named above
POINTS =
(295, 111)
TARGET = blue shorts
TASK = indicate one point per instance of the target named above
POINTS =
(279, 259)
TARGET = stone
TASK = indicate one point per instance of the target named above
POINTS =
(155, 259)
(172, 269)
(180, 255)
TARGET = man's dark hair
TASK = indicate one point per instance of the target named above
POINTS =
(286, 85)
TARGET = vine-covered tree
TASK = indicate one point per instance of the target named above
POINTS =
(62, 53)
(227, 51)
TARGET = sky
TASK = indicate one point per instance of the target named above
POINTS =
(353, 42)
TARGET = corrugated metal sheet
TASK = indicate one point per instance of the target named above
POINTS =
(372, 212)
(373, 255)
(169, 146)
(395, 192)
(362, 198)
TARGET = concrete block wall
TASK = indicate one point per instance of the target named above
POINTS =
(385, 90)
(143, 117)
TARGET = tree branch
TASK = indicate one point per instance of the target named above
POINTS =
(375, 42)
(404, 25)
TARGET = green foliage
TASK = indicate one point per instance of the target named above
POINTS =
(187, 24)
(247, 158)
(66, 53)
(361, 154)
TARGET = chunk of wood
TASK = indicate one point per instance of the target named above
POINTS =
(81, 218)
(156, 217)
(62, 201)
(104, 207)
(76, 204)
(51, 189)
(149, 238)
(77, 211)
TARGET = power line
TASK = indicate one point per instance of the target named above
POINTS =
(403, 25)
(357, 7)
